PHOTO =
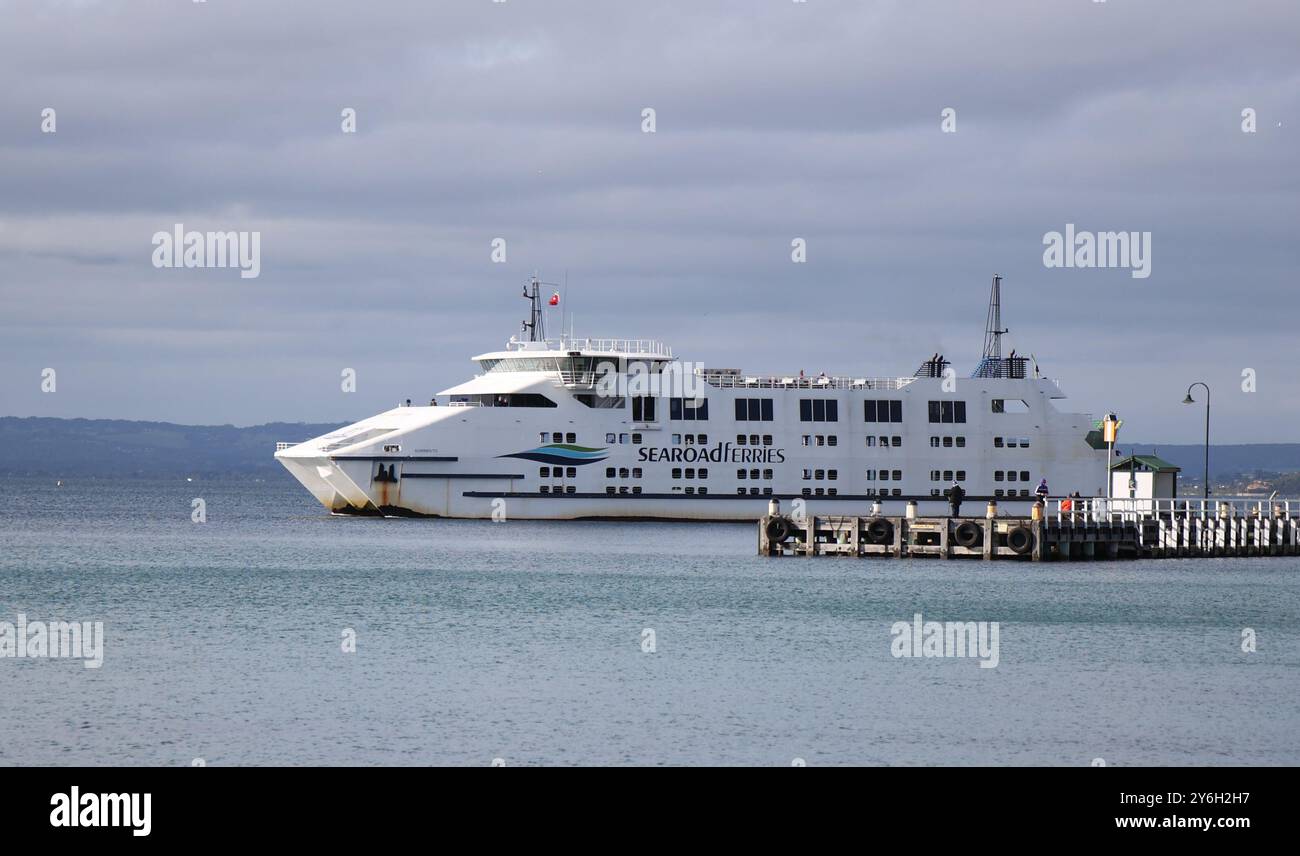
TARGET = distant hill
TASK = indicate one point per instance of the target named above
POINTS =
(41, 446)
(1225, 461)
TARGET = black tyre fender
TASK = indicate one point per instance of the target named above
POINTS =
(880, 531)
(1020, 539)
(969, 534)
(778, 530)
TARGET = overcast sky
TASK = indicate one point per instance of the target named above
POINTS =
(774, 120)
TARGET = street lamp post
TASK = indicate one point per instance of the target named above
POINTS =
(1190, 400)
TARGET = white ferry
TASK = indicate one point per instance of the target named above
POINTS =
(561, 429)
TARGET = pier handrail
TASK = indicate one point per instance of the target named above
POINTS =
(1100, 509)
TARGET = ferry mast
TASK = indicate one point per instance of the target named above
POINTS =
(535, 326)
(992, 364)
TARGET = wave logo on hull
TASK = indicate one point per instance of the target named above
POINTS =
(561, 453)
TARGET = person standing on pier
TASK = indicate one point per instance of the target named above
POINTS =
(1041, 491)
(955, 496)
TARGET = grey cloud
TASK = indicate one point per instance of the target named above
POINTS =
(521, 120)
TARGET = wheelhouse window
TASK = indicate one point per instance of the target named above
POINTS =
(947, 411)
(753, 410)
(600, 402)
(643, 408)
(514, 399)
(688, 409)
(888, 410)
(819, 410)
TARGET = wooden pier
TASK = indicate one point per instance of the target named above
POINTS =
(1085, 530)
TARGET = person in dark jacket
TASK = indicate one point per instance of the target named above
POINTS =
(955, 495)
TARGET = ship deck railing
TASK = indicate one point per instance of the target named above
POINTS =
(638, 347)
(733, 381)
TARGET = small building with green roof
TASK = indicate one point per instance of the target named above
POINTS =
(1144, 477)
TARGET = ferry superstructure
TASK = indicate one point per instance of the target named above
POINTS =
(574, 428)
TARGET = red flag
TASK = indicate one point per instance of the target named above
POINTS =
(555, 299)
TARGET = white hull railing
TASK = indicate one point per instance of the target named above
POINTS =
(645, 347)
(1128, 510)
(731, 381)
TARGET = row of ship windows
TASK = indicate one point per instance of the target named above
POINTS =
(677, 473)
(831, 491)
(833, 475)
(873, 441)
(807, 474)
(888, 410)
(999, 492)
(741, 440)
(761, 409)
(635, 490)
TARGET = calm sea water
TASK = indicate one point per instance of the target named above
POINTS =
(523, 641)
